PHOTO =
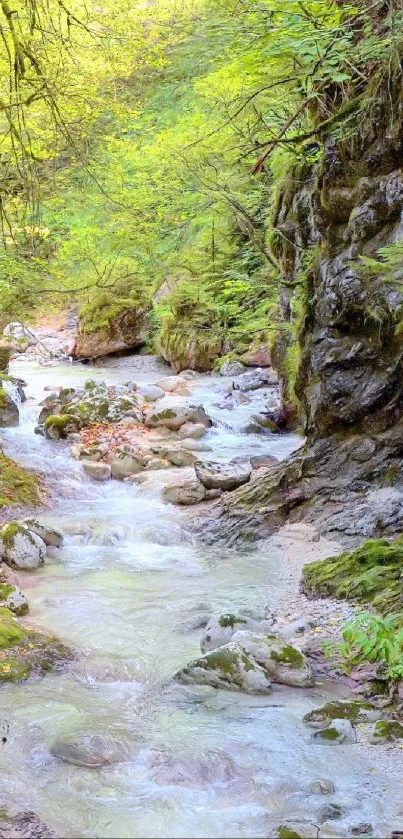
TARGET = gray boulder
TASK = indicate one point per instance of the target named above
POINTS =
(232, 368)
(50, 535)
(89, 750)
(21, 548)
(254, 379)
(192, 430)
(9, 412)
(174, 414)
(225, 476)
(150, 393)
(97, 471)
(185, 494)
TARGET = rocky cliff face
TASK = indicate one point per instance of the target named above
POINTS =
(350, 379)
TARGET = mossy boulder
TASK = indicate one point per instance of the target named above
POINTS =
(21, 548)
(12, 598)
(58, 427)
(70, 410)
(354, 711)
(369, 574)
(9, 411)
(228, 667)
(24, 651)
(108, 326)
(386, 731)
(17, 487)
(284, 663)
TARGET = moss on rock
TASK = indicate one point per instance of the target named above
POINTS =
(352, 711)
(25, 651)
(16, 485)
(369, 574)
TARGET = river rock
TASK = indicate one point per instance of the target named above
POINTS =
(151, 393)
(24, 825)
(322, 786)
(175, 455)
(195, 445)
(329, 812)
(192, 430)
(22, 549)
(254, 379)
(355, 711)
(263, 461)
(386, 731)
(340, 732)
(225, 476)
(125, 461)
(127, 330)
(9, 411)
(232, 368)
(174, 414)
(89, 750)
(12, 598)
(362, 829)
(227, 667)
(184, 494)
(174, 384)
(258, 355)
(285, 664)
(50, 535)
(220, 630)
(97, 471)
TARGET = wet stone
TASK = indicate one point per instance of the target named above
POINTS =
(89, 750)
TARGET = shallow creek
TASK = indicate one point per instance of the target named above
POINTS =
(199, 763)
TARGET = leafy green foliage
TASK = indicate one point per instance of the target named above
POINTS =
(371, 638)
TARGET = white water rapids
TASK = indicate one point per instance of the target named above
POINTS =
(126, 586)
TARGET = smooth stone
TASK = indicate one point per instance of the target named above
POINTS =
(322, 786)
(187, 493)
(329, 812)
(192, 430)
(50, 535)
(89, 750)
(150, 393)
(225, 476)
(97, 471)
(232, 368)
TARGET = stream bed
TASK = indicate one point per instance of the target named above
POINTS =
(125, 587)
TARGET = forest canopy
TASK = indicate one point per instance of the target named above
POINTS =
(143, 144)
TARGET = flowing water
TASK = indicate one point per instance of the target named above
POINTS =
(126, 587)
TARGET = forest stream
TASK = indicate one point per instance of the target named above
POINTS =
(126, 588)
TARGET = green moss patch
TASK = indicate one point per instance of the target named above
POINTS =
(387, 731)
(338, 711)
(288, 655)
(16, 485)
(369, 574)
(24, 650)
(230, 620)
